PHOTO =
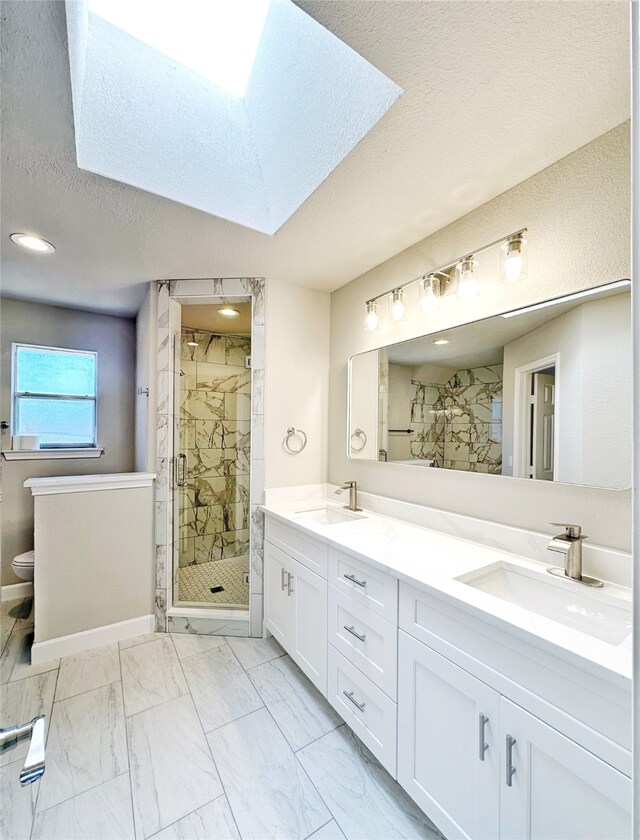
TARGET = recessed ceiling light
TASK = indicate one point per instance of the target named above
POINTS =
(441, 341)
(192, 343)
(218, 39)
(228, 312)
(32, 243)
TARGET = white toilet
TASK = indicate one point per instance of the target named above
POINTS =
(23, 564)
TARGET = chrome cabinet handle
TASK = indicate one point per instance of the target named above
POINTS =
(482, 745)
(349, 696)
(181, 470)
(283, 582)
(355, 580)
(289, 587)
(353, 632)
(510, 769)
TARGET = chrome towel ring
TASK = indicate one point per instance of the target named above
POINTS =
(361, 436)
(302, 440)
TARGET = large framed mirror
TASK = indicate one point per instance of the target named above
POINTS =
(539, 393)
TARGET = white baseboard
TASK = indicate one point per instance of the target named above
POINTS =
(16, 590)
(88, 639)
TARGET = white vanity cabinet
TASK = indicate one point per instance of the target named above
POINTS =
(296, 612)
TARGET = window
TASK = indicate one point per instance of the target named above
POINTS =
(55, 395)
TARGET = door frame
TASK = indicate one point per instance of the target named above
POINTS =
(521, 413)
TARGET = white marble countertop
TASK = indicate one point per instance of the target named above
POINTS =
(432, 561)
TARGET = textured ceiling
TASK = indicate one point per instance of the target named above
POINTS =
(147, 120)
(494, 92)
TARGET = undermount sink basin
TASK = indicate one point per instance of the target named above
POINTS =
(592, 611)
(326, 515)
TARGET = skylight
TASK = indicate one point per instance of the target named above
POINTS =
(217, 39)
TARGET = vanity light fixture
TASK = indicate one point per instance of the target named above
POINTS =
(228, 312)
(430, 293)
(513, 259)
(371, 319)
(618, 284)
(459, 276)
(397, 304)
(32, 243)
(468, 285)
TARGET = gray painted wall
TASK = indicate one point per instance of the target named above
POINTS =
(114, 339)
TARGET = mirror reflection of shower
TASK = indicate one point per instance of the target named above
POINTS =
(212, 449)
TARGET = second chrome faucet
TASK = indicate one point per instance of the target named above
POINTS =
(352, 487)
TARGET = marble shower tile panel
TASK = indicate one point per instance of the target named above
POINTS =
(198, 521)
(256, 616)
(102, 813)
(187, 433)
(236, 406)
(172, 773)
(186, 551)
(161, 566)
(257, 347)
(86, 744)
(210, 347)
(202, 405)
(254, 286)
(268, 791)
(160, 610)
(209, 434)
(258, 392)
(207, 548)
(220, 688)
(223, 379)
(209, 626)
(256, 550)
(237, 347)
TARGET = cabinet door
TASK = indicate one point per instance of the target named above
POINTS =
(448, 742)
(310, 624)
(558, 789)
(278, 602)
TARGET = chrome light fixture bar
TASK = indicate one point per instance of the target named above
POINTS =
(460, 276)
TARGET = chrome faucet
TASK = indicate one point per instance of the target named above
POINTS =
(34, 763)
(569, 545)
(352, 487)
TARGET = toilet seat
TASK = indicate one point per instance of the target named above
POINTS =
(26, 559)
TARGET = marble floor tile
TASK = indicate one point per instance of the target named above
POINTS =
(86, 744)
(18, 803)
(21, 701)
(214, 821)
(140, 640)
(252, 652)
(172, 772)
(330, 831)
(268, 791)
(366, 802)
(88, 670)
(151, 674)
(220, 688)
(15, 663)
(296, 705)
(102, 813)
(9, 612)
(187, 644)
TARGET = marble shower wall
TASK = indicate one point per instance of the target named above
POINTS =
(459, 424)
(167, 505)
(215, 435)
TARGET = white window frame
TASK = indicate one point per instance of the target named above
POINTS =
(16, 395)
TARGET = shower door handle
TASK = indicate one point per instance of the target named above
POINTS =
(181, 470)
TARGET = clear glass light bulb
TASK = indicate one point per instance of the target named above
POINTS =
(513, 261)
(371, 319)
(513, 267)
(429, 297)
(468, 286)
(397, 305)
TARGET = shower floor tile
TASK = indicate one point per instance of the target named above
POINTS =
(195, 582)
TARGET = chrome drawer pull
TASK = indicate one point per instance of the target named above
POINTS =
(283, 582)
(353, 632)
(510, 768)
(289, 587)
(355, 580)
(349, 695)
(483, 720)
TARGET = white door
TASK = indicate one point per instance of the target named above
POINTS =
(448, 742)
(558, 789)
(310, 625)
(543, 402)
(278, 601)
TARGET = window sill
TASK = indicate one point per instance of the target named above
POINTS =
(51, 454)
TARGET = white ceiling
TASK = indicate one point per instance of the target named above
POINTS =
(494, 92)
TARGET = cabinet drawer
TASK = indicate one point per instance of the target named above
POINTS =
(367, 585)
(367, 710)
(311, 553)
(365, 639)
